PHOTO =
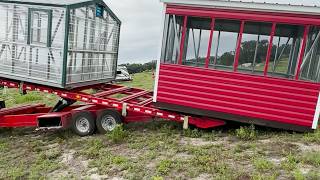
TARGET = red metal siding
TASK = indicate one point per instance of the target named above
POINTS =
(267, 98)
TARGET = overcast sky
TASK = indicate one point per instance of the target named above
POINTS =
(142, 23)
(140, 30)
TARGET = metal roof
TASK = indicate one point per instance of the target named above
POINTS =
(63, 3)
(296, 6)
(59, 2)
(51, 2)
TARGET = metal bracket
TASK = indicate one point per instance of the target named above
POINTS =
(124, 109)
(186, 122)
(61, 104)
(21, 90)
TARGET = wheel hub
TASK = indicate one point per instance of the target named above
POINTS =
(83, 125)
(108, 123)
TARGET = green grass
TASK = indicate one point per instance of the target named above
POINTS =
(141, 80)
(156, 150)
(282, 66)
(246, 133)
(14, 98)
(313, 137)
(263, 165)
(118, 135)
(312, 158)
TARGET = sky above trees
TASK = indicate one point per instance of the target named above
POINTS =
(141, 28)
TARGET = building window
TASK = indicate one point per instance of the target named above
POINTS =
(172, 40)
(268, 48)
(39, 27)
(310, 68)
(285, 50)
(254, 47)
(224, 44)
(197, 40)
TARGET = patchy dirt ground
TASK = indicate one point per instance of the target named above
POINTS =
(160, 150)
(156, 150)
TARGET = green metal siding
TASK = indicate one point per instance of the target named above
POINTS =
(65, 51)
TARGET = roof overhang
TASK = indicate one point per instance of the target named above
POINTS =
(252, 6)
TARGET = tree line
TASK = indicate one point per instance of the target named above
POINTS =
(247, 53)
(246, 56)
(138, 67)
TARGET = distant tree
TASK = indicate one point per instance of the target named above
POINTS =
(226, 59)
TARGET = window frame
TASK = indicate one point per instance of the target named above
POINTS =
(49, 26)
(245, 17)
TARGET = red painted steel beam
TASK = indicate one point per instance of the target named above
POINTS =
(273, 30)
(210, 43)
(133, 96)
(20, 110)
(111, 92)
(236, 58)
(303, 47)
(288, 18)
(183, 38)
(26, 120)
(146, 102)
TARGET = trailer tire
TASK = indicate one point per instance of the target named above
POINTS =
(83, 123)
(107, 120)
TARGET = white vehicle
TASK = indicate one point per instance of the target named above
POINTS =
(123, 74)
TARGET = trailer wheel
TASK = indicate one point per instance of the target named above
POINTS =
(107, 120)
(83, 124)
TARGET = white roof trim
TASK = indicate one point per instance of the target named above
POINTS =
(257, 5)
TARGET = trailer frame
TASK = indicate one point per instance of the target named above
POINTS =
(132, 104)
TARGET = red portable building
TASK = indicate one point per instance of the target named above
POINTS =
(252, 62)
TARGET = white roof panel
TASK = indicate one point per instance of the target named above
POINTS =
(53, 2)
(295, 6)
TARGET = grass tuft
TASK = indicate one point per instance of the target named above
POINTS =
(297, 175)
(263, 165)
(118, 135)
(164, 166)
(246, 133)
(312, 158)
(94, 148)
(313, 137)
(195, 133)
(290, 163)
(157, 178)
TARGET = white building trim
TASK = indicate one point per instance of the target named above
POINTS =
(291, 6)
(316, 115)
(156, 82)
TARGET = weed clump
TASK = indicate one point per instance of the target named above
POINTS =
(195, 133)
(118, 135)
(164, 167)
(290, 163)
(157, 178)
(246, 133)
(312, 137)
(94, 148)
(263, 165)
(312, 158)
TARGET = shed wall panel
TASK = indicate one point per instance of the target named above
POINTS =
(257, 97)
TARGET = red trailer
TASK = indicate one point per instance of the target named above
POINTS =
(252, 62)
(103, 110)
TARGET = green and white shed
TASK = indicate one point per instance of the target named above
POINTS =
(62, 43)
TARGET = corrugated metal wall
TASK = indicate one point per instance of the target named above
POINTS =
(273, 99)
